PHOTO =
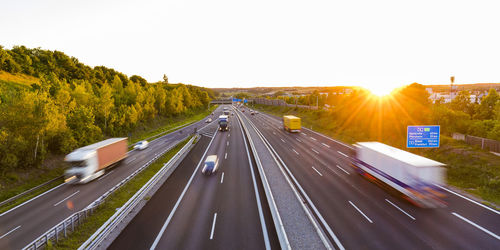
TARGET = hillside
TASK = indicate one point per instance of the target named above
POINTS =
(50, 103)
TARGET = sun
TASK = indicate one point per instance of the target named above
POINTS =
(381, 90)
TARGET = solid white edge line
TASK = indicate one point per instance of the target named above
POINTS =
(473, 201)
(477, 226)
(315, 210)
(164, 227)
(342, 154)
(295, 151)
(316, 171)
(1, 237)
(24, 203)
(213, 226)
(352, 204)
(67, 198)
(413, 218)
(222, 178)
(343, 170)
(314, 151)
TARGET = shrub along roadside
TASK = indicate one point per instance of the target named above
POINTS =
(114, 201)
(12, 184)
(468, 168)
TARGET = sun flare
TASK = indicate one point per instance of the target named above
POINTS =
(381, 90)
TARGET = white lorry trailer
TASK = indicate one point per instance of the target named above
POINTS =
(89, 162)
(413, 176)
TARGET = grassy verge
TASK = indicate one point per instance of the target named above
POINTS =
(15, 183)
(37, 177)
(468, 168)
(114, 201)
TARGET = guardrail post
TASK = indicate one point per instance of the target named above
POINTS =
(65, 231)
(57, 236)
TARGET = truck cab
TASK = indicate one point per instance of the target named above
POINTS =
(223, 123)
(83, 165)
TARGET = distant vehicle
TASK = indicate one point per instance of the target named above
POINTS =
(212, 113)
(211, 165)
(291, 123)
(256, 112)
(226, 112)
(225, 108)
(242, 110)
(141, 145)
(209, 120)
(252, 113)
(223, 122)
(413, 176)
(232, 114)
(90, 162)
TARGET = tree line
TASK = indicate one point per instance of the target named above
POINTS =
(369, 117)
(73, 105)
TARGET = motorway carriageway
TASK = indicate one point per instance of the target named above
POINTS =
(193, 211)
(364, 216)
(23, 224)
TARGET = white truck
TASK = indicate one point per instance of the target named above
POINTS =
(90, 162)
(413, 176)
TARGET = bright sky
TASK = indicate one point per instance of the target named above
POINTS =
(382, 44)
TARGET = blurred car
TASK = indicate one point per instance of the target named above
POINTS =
(256, 112)
(211, 165)
(232, 114)
(141, 145)
(208, 120)
(242, 110)
(252, 113)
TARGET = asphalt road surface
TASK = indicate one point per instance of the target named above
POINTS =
(195, 211)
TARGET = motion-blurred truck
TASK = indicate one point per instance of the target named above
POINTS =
(291, 123)
(223, 122)
(414, 177)
(90, 162)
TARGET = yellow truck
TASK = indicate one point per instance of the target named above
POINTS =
(291, 123)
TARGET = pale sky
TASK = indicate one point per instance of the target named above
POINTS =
(268, 43)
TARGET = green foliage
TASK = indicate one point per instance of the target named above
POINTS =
(65, 104)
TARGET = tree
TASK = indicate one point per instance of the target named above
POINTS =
(81, 122)
(138, 79)
(105, 103)
(487, 106)
(462, 103)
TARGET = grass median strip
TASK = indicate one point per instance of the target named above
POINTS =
(114, 202)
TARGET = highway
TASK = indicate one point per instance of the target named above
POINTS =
(228, 210)
(364, 216)
(24, 223)
(194, 211)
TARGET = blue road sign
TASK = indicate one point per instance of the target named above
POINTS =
(423, 136)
